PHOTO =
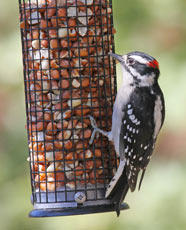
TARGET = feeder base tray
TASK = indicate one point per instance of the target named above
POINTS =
(74, 211)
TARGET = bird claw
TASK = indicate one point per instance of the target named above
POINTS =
(94, 126)
(97, 130)
(93, 122)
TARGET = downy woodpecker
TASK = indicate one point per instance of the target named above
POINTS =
(138, 115)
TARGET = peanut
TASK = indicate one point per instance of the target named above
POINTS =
(86, 134)
(51, 128)
(68, 145)
(82, 110)
(48, 147)
(75, 83)
(58, 144)
(35, 44)
(62, 13)
(72, 22)
(55, 74)
(54, 43)
(60, 179)
(43, 24)
(79, 171)
(73, 103)
(64, 84)
(98, 153)
(62, 125)
(50, 185)
(50, 12)
(71, 185)
(85, 82)
(62, 32)
(89, 164)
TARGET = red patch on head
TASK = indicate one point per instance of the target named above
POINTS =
(154, 64)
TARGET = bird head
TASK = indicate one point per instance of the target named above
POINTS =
(138, 68)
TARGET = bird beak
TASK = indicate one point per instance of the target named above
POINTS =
(118, 57)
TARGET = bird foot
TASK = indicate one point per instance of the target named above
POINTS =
(94, 126)
(96, 130)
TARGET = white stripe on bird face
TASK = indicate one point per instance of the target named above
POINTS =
(139, 59)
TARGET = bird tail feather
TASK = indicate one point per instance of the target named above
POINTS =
(132, 177)
(118, 187)
(141, 179)
(115, 179)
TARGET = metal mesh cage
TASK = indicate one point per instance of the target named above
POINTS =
(68, 75)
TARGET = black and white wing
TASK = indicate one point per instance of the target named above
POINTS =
(140, 127)
(142, 119)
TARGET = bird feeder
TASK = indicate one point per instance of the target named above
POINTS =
(68, 76)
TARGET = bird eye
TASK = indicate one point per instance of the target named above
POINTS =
(131, 61)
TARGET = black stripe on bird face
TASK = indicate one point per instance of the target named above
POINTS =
(144, 64)
(144, 69)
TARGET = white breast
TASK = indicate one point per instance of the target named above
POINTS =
(122, 99)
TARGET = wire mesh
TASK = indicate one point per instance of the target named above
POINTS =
(68, 75)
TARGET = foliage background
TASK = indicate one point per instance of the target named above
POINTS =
(156, 27)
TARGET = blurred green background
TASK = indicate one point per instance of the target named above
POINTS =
(157, 27)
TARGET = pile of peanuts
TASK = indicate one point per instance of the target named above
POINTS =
(68, 76)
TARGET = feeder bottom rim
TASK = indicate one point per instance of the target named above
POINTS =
(62, 205)
(80, 210)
